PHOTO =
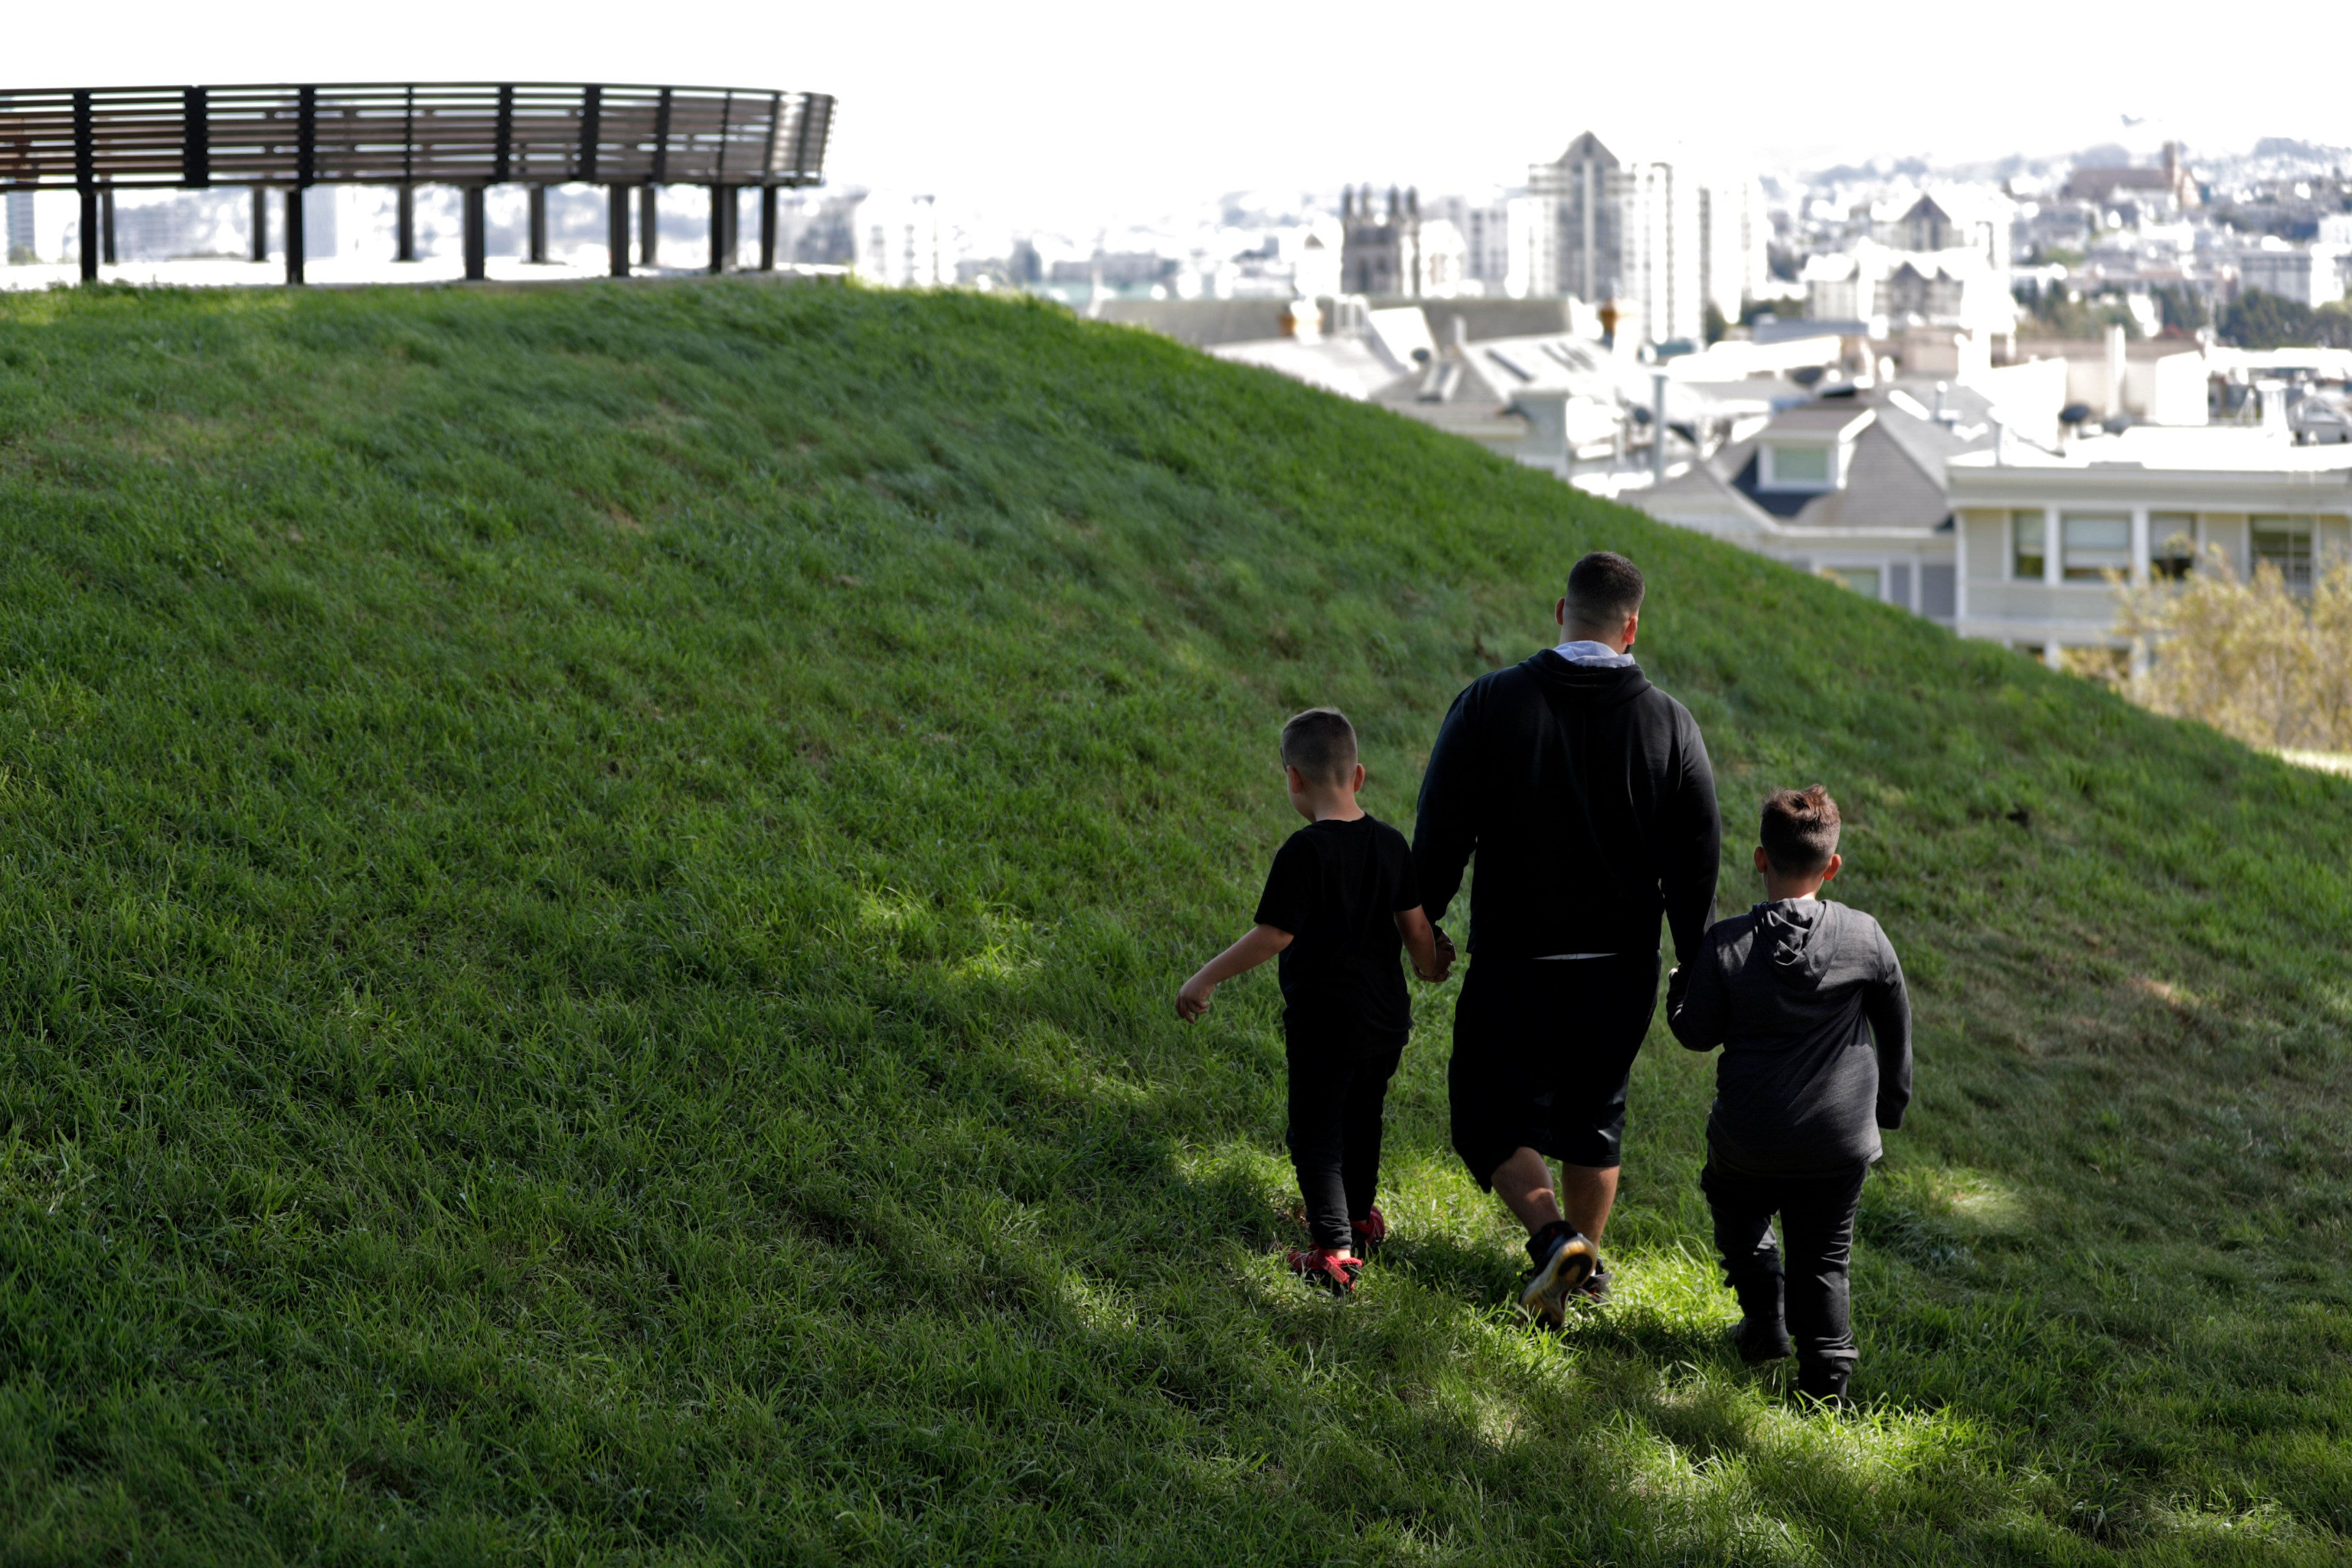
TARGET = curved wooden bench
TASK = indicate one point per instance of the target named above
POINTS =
(403, 135)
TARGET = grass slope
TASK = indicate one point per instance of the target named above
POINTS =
(592, 883)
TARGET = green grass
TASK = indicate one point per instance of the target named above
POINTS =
(592, 884)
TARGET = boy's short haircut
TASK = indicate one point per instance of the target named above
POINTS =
(1603, 589)
(1800, 830)
(1321, 744)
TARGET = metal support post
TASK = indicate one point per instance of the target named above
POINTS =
(294, 234)
(539, 225)
(767, 228)
(261, 223)
(404, 224)
(306, 169)
(722, 201)
(89, 246)
(616, 227)
(648, 228)
(1658, 429)
(106, 224)
(476, 239)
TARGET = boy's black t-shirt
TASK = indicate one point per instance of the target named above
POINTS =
(1337, 888)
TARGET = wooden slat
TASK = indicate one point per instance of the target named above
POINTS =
(429, 134)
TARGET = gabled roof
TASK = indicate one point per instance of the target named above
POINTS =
(1841, 419)
(1588, 149)
(1894, 481)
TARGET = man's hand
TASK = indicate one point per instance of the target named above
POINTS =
(1445, 955)
(1193, 999)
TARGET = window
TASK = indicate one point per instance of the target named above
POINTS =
(2095, 544)
(1939, 590)
(2025, 550)
(2172, 545)
(1800, 467)
(1863, 580)
(2284, 542)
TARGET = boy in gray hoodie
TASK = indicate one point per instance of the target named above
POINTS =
(1806, 998)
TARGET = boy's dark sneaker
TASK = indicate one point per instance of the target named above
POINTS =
(1370, 1231)
(1825, 1385)
(1758, 1341)
(1318, 1266)
(1564, 1261)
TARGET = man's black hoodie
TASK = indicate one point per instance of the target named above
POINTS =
(1807, 1000)
(1585, 794)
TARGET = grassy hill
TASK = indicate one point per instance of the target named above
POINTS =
(592, 883)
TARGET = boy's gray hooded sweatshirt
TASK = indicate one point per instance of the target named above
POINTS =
(1796, 992)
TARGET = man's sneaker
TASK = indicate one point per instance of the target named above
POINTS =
(1758, 1341)
(1370, 1231)
(1318, 1266)
(1564, 1259)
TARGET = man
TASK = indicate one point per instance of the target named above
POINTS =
(1585, 794)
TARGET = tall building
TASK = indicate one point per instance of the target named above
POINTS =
(1582, 195)
(1380, 251)
(1660, 240)
(18, 242)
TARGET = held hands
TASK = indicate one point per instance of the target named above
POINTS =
(1445, 956)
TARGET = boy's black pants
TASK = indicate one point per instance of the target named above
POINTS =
(1817, 1212)
(1340, 1072)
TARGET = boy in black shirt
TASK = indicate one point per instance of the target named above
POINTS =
(1807, 1000)
(1338, 904)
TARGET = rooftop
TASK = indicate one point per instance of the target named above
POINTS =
(2209, 448)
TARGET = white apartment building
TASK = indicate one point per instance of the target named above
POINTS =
(1485, 231)
(894, 240)
(2037, 532)
(1659, 239)
(2308, 275)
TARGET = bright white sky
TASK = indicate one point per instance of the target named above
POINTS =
(1138, 107)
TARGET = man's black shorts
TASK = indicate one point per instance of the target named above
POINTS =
(1543, 1049)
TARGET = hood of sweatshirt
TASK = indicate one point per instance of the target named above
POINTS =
(1574, 686)
(1786, 928)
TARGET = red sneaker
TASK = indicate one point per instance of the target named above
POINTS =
(1318, 1266)
(1370, 1231)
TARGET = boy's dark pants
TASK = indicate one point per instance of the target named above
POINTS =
(1339, 1073)
(1817, 1212)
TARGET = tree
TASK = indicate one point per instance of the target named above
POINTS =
(2254, 659)
(2256, 320)
(1711, 322)
(2180, 308)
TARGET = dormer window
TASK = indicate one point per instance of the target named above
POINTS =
(1806, 452)
(1791, 467)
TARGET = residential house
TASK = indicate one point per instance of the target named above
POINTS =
(2041, 537)
(1849, 485)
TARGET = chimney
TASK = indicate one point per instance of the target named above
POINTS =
(2115, 369)
(1460, 334)
(1943, 412)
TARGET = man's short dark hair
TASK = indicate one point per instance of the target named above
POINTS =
(1603, 589)
(1321, 744)
(1800, 830)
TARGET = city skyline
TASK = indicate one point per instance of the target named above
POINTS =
(1126, 115)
